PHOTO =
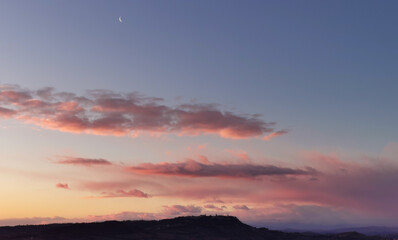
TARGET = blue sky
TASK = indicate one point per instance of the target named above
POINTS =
(327, 66)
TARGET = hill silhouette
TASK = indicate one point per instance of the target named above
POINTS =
(182, 228)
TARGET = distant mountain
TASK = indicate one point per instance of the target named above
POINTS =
(181, 228)
(371, 231)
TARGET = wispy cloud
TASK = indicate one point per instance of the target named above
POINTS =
(88, 162)
(192, 168)
(241, 207)
(121, 193)
(275, 134)
(213, 207)
(179, 210)
(109, 113)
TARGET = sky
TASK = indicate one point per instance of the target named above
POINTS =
(282, 113)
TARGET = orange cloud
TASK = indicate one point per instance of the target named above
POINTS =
(62, 185)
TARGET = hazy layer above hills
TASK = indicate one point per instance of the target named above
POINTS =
(200, 227)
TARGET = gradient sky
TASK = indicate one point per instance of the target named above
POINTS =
(282, 113)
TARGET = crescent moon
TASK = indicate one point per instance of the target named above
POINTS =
(120, 19)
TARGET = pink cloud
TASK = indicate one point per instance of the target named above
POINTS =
(108, 113)
(88, 162)
(62, 185)
(362, 185)
(6, 113)
(12, 94)
(192, 168)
